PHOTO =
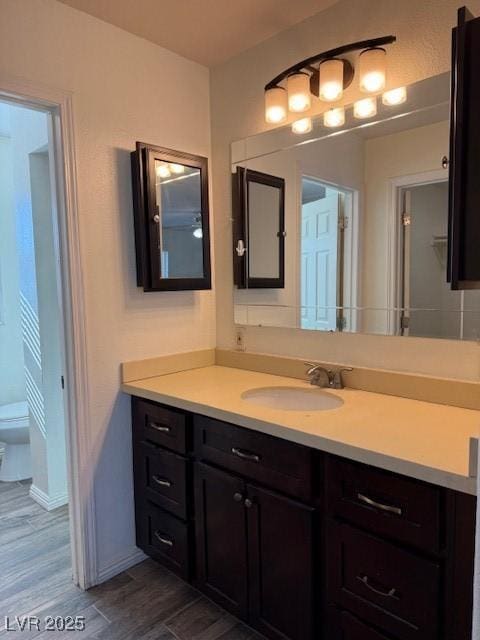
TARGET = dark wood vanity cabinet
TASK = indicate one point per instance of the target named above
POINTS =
(298, 543)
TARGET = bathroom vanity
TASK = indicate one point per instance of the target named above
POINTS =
(296, 540)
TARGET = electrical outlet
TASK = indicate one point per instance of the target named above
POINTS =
(240, 339)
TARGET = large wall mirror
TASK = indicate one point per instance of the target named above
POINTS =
(366, 218)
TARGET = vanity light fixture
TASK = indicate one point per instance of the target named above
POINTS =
(394, 96)
(365, 108)
(304, 125)
(326, 76)
(372, 67)
(298, 87)
(276, 105)
(162, 171)
(334, 117)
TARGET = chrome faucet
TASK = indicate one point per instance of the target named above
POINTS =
(322, 377)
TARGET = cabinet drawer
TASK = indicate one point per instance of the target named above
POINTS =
(162, 477)
(352, 629)
(391, 505)
(389, 587)
(277, 463)
(166, 427)
(165, 538)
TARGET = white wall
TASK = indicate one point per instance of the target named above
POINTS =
(124, 89)
(423, 31)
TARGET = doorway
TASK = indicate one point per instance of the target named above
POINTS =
(427, 307)
(34, 469)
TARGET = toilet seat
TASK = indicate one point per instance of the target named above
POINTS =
(15, 434)
(14, 412)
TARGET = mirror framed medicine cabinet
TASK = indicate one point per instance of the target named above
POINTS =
(171, 217)
(366, 218)
(259, 230)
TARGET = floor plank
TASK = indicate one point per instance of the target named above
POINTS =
(147, 602)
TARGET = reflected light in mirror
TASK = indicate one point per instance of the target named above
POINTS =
(162, 171)
(302, 126)
(198, 233)
(372, 65)
(334, 117)
(331, 80)
(276, 105)
(365, 108)
(177, 168)
(395, 96)
(298, 86)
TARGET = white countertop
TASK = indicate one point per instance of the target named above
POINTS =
(427, 441)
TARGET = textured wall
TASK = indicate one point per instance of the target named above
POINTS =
(125, 89)
(423, 30)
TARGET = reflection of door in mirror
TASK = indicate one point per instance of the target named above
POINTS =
(429, 308)
(325, 213)
(178, 197)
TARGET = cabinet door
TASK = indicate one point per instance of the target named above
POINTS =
(221, 538)
(281, 565)
(464, 191)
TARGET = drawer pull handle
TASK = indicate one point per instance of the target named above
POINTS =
(159, 427)
(245, 455)
(378, 505)
(163, 539)
(385, 594)
(163, 482)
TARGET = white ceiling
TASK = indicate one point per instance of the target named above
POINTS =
(207, 31)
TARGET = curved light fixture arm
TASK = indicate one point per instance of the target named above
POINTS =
(332, 53)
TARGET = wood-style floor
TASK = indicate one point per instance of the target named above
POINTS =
(146, 602)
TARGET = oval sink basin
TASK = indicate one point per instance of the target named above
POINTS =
(293, 398)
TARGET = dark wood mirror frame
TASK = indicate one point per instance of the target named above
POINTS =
(240, 186)
(148, 261)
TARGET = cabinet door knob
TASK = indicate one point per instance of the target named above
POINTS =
(248, 503)
(237, 497)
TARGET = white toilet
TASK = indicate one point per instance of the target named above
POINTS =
(15, 434)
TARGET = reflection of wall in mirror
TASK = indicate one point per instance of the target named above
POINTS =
(388, 157)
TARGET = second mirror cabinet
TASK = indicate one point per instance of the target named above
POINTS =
(171, 215)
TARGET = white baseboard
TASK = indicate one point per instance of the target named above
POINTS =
(48, 502)
(121, 564)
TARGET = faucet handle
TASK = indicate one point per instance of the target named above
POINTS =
(338, 379)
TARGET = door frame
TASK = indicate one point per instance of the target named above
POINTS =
(394, 254)
(78, 442)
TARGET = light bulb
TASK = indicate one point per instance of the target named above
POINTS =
(198, 233)
(298, 86)
(276, 105)
(302, 126)
(331, 80)
(372, 66)
(162, 171)
(334, 117)
(176, 168)
(365, 108)
(395, 96)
